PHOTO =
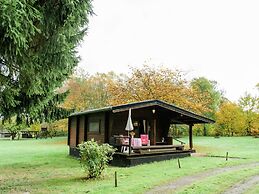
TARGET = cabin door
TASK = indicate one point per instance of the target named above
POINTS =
(151, 131)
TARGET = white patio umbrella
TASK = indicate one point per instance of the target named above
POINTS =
(129, 126)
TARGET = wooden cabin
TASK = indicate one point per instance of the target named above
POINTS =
(151, 119)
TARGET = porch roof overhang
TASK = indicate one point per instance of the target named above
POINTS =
(180, 116)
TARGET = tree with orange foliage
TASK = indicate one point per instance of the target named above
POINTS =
(230, 120)
(164, 84)
(88, 92)
(249, 105)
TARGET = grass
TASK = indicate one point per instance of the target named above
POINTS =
(253, 190)
(244, 147)
(219, 183)
(43, 166)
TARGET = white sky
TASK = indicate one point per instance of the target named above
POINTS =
(216, 39)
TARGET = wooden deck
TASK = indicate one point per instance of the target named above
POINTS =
(144, 154)
(157, 149)
(147, 154)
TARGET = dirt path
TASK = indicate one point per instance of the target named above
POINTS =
(188, 180)
(242, 186)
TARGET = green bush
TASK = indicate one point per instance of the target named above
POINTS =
(57, 133)
(60, 133)
(94, 157)
(15, 129)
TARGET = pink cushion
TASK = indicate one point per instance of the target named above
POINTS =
(144, 139)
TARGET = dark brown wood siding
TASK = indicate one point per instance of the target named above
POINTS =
(119, 123)
(81, 129)
(98, 136)
(107, 127)
(72, 131)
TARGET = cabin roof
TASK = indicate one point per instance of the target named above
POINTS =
(91, 111)
(188, 115)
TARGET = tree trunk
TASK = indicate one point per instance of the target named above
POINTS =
(13, 135)
(204, 130)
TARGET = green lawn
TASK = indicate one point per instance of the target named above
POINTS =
(244, 147)
(43, 166)
(219, 183)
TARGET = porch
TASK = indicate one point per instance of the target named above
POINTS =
(128, 154)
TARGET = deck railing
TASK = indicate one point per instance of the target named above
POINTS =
(179, 141)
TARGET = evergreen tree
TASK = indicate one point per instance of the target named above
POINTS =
(38, 42)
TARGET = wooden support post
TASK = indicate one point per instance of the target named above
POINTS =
(85, 127)
(106, 128)
(227, 156)
(129, 145)
(154, 131)
(115, 181)
(179, 164)
(77, 129)
(190, 136)
(68, 130)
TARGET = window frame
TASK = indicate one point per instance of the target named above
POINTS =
(99, 126)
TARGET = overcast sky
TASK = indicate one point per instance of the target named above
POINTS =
(215, 39)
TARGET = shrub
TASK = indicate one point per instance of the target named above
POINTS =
(60, 133)
(94, 157)
(255, 132)
(15, 129)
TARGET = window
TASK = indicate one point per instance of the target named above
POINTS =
(94, 126)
